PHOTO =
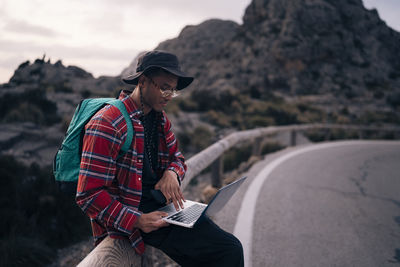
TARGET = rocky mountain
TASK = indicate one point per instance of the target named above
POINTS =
(291, 61)
(335, 54)
(37, 104)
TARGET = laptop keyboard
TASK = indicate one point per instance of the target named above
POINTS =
(188, 215)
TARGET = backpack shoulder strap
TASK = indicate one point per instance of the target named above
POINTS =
(121, 106)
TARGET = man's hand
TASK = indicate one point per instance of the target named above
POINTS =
(169, 186)
(149, 222)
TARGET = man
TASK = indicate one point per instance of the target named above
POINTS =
(114, 190)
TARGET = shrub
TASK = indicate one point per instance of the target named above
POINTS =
(318, 135)
(235, 156)
(187, 104)
(36, 218)
(393, 100)
(86, 94)
(373, 117)
(172, 108)
(63, 87)
(283, 115)
(258, 121)
(210, 101)
(65, 123)
(218, 118)
(201, 138)
(271, 147)
(25, 112)
(30, 106)
(309, 114)
(197, 140)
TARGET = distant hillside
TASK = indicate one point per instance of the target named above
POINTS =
(37, 104)
(63, 85)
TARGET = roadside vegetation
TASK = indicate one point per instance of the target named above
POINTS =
(37, 218)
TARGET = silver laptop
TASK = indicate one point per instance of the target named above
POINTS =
(194, 211)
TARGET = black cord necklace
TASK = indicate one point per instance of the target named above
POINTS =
(149, 132)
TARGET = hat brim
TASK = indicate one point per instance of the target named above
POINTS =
(184, 80)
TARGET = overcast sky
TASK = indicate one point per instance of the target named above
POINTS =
(103, 36)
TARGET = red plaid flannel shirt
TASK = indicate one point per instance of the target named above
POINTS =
(110, 187)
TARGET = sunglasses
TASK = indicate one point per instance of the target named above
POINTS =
(166, 91)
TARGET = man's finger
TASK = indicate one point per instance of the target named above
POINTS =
(179, 199)
(176, 205)
(158, 215)
(161, 223)
(162, 214)
(181, 195)
(167, 197)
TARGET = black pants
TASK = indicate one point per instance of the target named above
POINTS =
(204, 245)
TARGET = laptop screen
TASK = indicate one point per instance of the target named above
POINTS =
(222, 197)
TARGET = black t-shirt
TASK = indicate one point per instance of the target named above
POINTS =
(150, 123)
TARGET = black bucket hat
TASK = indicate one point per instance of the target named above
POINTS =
(159, 59)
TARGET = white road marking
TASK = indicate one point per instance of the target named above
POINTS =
(244, 223)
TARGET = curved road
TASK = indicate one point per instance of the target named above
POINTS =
(329, 204)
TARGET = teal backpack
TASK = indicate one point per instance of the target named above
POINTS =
(66, 164)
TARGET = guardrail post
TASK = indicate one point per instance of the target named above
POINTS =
(360, 134)
(293, 134)
(328, 134)
(256, 151)
(217, 170)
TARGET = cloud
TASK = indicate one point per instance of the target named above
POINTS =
(95, 59)
(23, 27)
(194, 9)
(63, 51)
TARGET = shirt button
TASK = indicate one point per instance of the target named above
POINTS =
(140, 178)
(139, 160)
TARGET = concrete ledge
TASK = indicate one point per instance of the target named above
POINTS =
(116, 252)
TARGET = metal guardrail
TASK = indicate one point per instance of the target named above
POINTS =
(213, 155)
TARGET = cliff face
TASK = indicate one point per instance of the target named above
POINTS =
(334, 50)
(323, 46)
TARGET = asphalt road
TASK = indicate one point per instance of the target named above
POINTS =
(333, 204)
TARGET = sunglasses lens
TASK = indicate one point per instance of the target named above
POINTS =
(169, 93)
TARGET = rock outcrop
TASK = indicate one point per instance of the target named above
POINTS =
(37, 104)
(335, 53)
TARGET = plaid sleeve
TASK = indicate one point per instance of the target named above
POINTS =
(177, 161)
(101, 145)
